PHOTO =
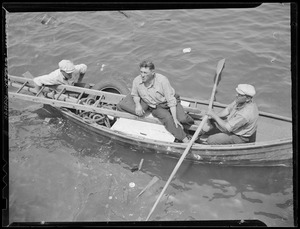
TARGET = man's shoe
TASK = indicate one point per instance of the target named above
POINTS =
(187, 139)
(201, 141)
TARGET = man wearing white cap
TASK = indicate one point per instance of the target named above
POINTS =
(62, 75)
(237, 123)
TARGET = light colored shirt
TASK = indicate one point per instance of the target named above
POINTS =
(159, 91)
(242, 121)
(56, 77)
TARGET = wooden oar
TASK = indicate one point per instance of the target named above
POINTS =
(218, 71)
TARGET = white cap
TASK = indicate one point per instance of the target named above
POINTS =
(246, 89)
(66, 66)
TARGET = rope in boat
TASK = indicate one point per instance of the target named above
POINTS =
(92, 117)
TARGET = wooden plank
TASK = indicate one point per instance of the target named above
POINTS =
(140, 165)
(152, 182)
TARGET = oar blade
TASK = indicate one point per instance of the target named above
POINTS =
(220, 66)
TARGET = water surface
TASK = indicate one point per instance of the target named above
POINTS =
(60, 172)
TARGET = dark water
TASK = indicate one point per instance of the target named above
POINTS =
(60, 172)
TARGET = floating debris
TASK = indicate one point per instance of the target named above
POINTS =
(153, 181)
(137, 168)
(121, 12)
(47, 120)
(125, 195)
(47, 19)
(186, 50)
(131, 184)
(141, 163)
(134, 168)
(273, 59)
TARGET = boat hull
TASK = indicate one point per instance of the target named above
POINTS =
(270, 153)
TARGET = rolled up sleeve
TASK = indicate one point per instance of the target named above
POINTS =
(134, 90)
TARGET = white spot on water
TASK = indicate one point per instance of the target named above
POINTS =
(131, 184)
(186, 50)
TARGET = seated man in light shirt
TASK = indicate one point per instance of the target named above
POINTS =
(62, 75)
(156, 92)
(237, 123)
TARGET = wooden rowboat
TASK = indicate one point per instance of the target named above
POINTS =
(94, 108)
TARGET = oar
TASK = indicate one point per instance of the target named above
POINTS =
(218, 71)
